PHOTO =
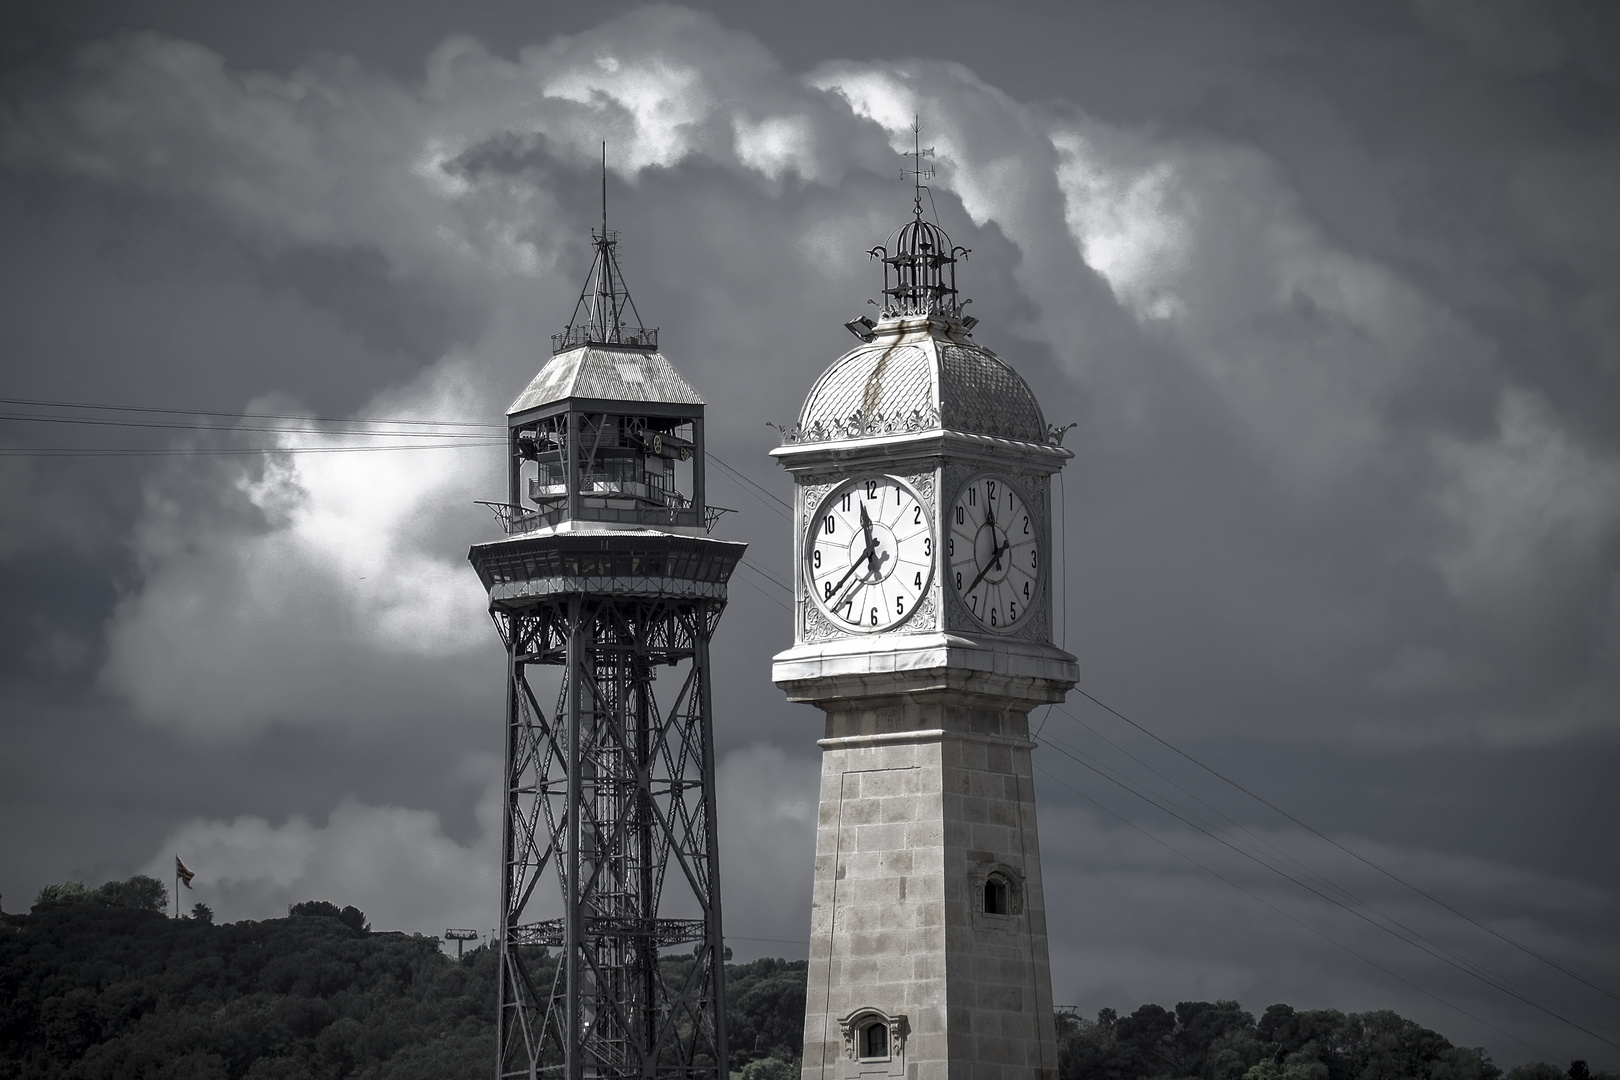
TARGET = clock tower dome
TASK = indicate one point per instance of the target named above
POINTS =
(922, 469)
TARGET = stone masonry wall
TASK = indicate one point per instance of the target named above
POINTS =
(910, 824)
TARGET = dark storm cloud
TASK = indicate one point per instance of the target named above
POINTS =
(1346, 483)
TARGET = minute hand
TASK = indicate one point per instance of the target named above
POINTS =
(856, 565)
(995, 561)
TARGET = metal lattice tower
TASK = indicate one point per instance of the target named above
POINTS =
(607, 590)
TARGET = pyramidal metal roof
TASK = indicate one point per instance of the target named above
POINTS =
(604, 373)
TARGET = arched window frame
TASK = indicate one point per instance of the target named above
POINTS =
(980, 879)
(856, 1026)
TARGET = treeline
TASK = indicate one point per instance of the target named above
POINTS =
(99, 983)
(1220, 1041)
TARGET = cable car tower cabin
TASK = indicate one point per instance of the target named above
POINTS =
(610, 950)
(922, 470)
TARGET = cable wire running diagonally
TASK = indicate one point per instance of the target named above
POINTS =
(1527, 950)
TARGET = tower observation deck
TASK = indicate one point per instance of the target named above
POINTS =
(606, 588)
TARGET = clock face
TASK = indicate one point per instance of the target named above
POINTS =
(994, 550)
(869, 554)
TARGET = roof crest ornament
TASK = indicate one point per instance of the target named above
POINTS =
(919, 261)
(605, 314)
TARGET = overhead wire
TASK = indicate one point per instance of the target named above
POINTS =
(1478, 970)
(1297, 921)
(1415, 939)
(51, 404)
(1349, 851)
(205, 451)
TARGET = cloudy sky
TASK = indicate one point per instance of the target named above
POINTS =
(1328, 291)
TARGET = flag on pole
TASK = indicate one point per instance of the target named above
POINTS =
(182, 873)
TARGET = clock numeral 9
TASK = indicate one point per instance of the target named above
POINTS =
(816, 558)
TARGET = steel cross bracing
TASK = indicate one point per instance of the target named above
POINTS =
(610, 820)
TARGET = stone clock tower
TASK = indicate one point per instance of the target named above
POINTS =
(923, 629)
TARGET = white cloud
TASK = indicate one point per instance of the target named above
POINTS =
(1161, 269)
(397, 864)
(394, 863)
(312, 588)
(1530, 502)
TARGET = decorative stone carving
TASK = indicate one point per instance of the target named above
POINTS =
(854, 1024)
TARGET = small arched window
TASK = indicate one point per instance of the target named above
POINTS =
(995, 895)
(875, 1041)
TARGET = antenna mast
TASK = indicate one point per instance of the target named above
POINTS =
(605, 314)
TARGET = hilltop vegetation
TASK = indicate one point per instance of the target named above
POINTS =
(99, 983)
(1220, 1041)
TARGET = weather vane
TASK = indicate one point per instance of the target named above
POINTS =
(919, 170)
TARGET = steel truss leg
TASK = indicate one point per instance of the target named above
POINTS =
(612, 791)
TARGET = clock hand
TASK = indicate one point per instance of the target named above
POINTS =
(994, 563)
(866, 525)
(856, 565)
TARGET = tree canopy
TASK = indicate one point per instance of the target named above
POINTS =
(98, 983)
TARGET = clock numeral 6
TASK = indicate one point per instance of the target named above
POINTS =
(874, 616)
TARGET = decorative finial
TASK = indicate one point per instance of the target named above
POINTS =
(918, 171)
(919, 262)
